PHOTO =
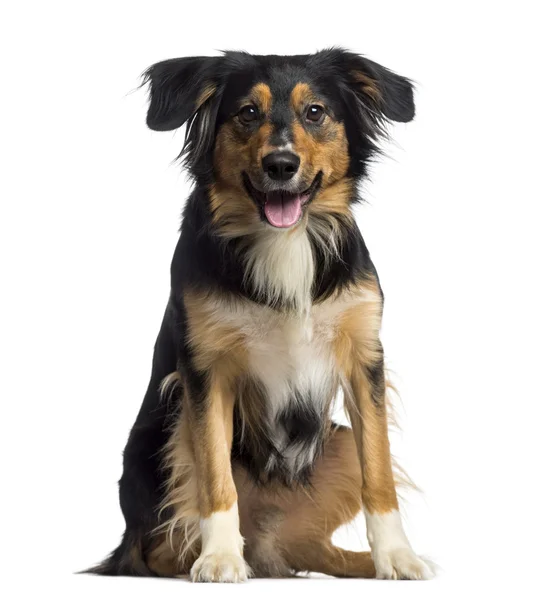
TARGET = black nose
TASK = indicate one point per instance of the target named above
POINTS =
(280, 166)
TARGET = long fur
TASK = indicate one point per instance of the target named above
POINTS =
(257, 308)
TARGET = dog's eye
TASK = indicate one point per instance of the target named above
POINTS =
(315, 113)
(248, 114)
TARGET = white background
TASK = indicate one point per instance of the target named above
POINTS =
(89, 218)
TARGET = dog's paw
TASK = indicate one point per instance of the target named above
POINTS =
(220, 567)
(401, 563)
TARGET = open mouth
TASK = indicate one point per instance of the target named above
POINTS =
(281, 208)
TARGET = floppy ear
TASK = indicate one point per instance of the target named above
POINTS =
(178, 88)
(385, 91)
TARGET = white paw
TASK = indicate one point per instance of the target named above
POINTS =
(400, 563)
(220, 567)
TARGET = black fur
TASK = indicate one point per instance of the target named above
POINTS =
(376, 376)
(257, 452)
(203, 261)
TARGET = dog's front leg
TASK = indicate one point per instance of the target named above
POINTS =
(391, 551)
(211, 406)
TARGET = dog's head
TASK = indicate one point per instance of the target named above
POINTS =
(277, 137)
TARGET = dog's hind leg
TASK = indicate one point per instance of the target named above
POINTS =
(270, 556)
(289, 530)
(331, 560)
(333, 499)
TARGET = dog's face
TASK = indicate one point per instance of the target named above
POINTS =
(277, 137)
(282, 142)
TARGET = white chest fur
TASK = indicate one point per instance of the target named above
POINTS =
(291, 357)
(287, 353)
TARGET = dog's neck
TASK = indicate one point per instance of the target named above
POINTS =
(286, 269)
(280, 267)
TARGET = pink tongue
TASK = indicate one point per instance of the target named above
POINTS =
(283, 210)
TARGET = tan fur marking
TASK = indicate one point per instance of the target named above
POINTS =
(334, 200)
(234, 213)
(235, 151)
(296, 525)
(326, 558)
(213, 429)
(300, 96)
(205, 95)
(261, 93)
(336, 496)
(358, 349)
(216, 345)
(368, 85)
(223, 347)
(325, 149)
(370, 426)
(327, 153)
(357, 340)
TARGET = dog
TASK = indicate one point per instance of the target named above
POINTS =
(234, 467)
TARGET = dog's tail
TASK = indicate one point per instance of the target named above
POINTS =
(127, 559)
